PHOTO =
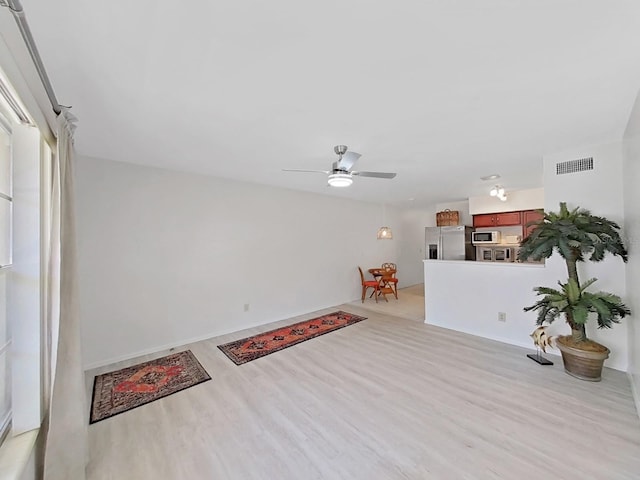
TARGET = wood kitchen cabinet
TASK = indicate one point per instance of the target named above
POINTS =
(504, 219)
(530, 216)
(484, 220)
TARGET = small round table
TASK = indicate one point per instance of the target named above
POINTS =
(383, 276)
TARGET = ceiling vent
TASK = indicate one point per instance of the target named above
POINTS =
(574, 166)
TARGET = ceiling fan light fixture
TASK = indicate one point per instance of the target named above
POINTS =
(385, 233)
(340, 173)
(340, 180)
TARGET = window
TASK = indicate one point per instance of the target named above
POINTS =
(21, 221)
(6, 204)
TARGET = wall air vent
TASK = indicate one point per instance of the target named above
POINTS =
(574, 166)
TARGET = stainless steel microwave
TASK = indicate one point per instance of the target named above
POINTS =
(478, 238)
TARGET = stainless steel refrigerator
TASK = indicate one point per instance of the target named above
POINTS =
(449, 243)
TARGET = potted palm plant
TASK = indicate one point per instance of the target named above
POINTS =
(576, 235)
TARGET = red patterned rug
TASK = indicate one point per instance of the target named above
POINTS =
(120, 391)
(250, 348)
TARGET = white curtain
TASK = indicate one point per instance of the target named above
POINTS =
(65, 454)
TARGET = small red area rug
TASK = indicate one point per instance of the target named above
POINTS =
(250, 348)
(119, 391)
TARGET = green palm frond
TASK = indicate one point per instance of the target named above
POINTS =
(608, 307)
(574, 234)
(573, 301)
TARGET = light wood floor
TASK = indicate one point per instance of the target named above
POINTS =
(387, 398)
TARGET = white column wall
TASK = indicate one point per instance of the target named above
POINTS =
(601, 191)
(166, 258)
(632, 232)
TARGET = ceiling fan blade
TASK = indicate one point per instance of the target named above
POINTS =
(297, 170)
(348, 159)
(375, 174)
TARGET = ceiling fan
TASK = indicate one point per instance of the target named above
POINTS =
(341, 174)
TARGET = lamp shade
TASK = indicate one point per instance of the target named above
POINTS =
(385, 233)
(340, 180)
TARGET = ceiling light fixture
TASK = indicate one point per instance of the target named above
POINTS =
(498, 191)
(494, 176)
(385, 233)
(340, 180)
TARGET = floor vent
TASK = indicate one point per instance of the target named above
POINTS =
(574, 166)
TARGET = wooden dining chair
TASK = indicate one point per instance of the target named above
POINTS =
(391, 280)
(367, 284)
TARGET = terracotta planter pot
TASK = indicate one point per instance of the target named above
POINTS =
(582, 364)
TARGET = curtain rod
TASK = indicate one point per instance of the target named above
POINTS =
(18, 14)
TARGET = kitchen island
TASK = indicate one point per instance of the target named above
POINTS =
(484, 298)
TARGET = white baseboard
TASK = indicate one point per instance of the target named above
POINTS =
(508, 341)
(187, 341)
(168, 346)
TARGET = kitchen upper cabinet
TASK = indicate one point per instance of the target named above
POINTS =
(508, 219)
(484, 220)
(504, 219)
(530, 216)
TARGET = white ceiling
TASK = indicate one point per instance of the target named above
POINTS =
(440, 91)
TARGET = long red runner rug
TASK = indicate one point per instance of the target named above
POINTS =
(121, 390)
(250, 348)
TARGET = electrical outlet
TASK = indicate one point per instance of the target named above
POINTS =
(246, 307)
(502, 316)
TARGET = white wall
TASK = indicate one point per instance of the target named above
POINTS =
(529, 199)
(166, 257)
(414, 220)
(461, 207)
(481, 291)
(632, 232)
(411, 250)
(601, 191)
